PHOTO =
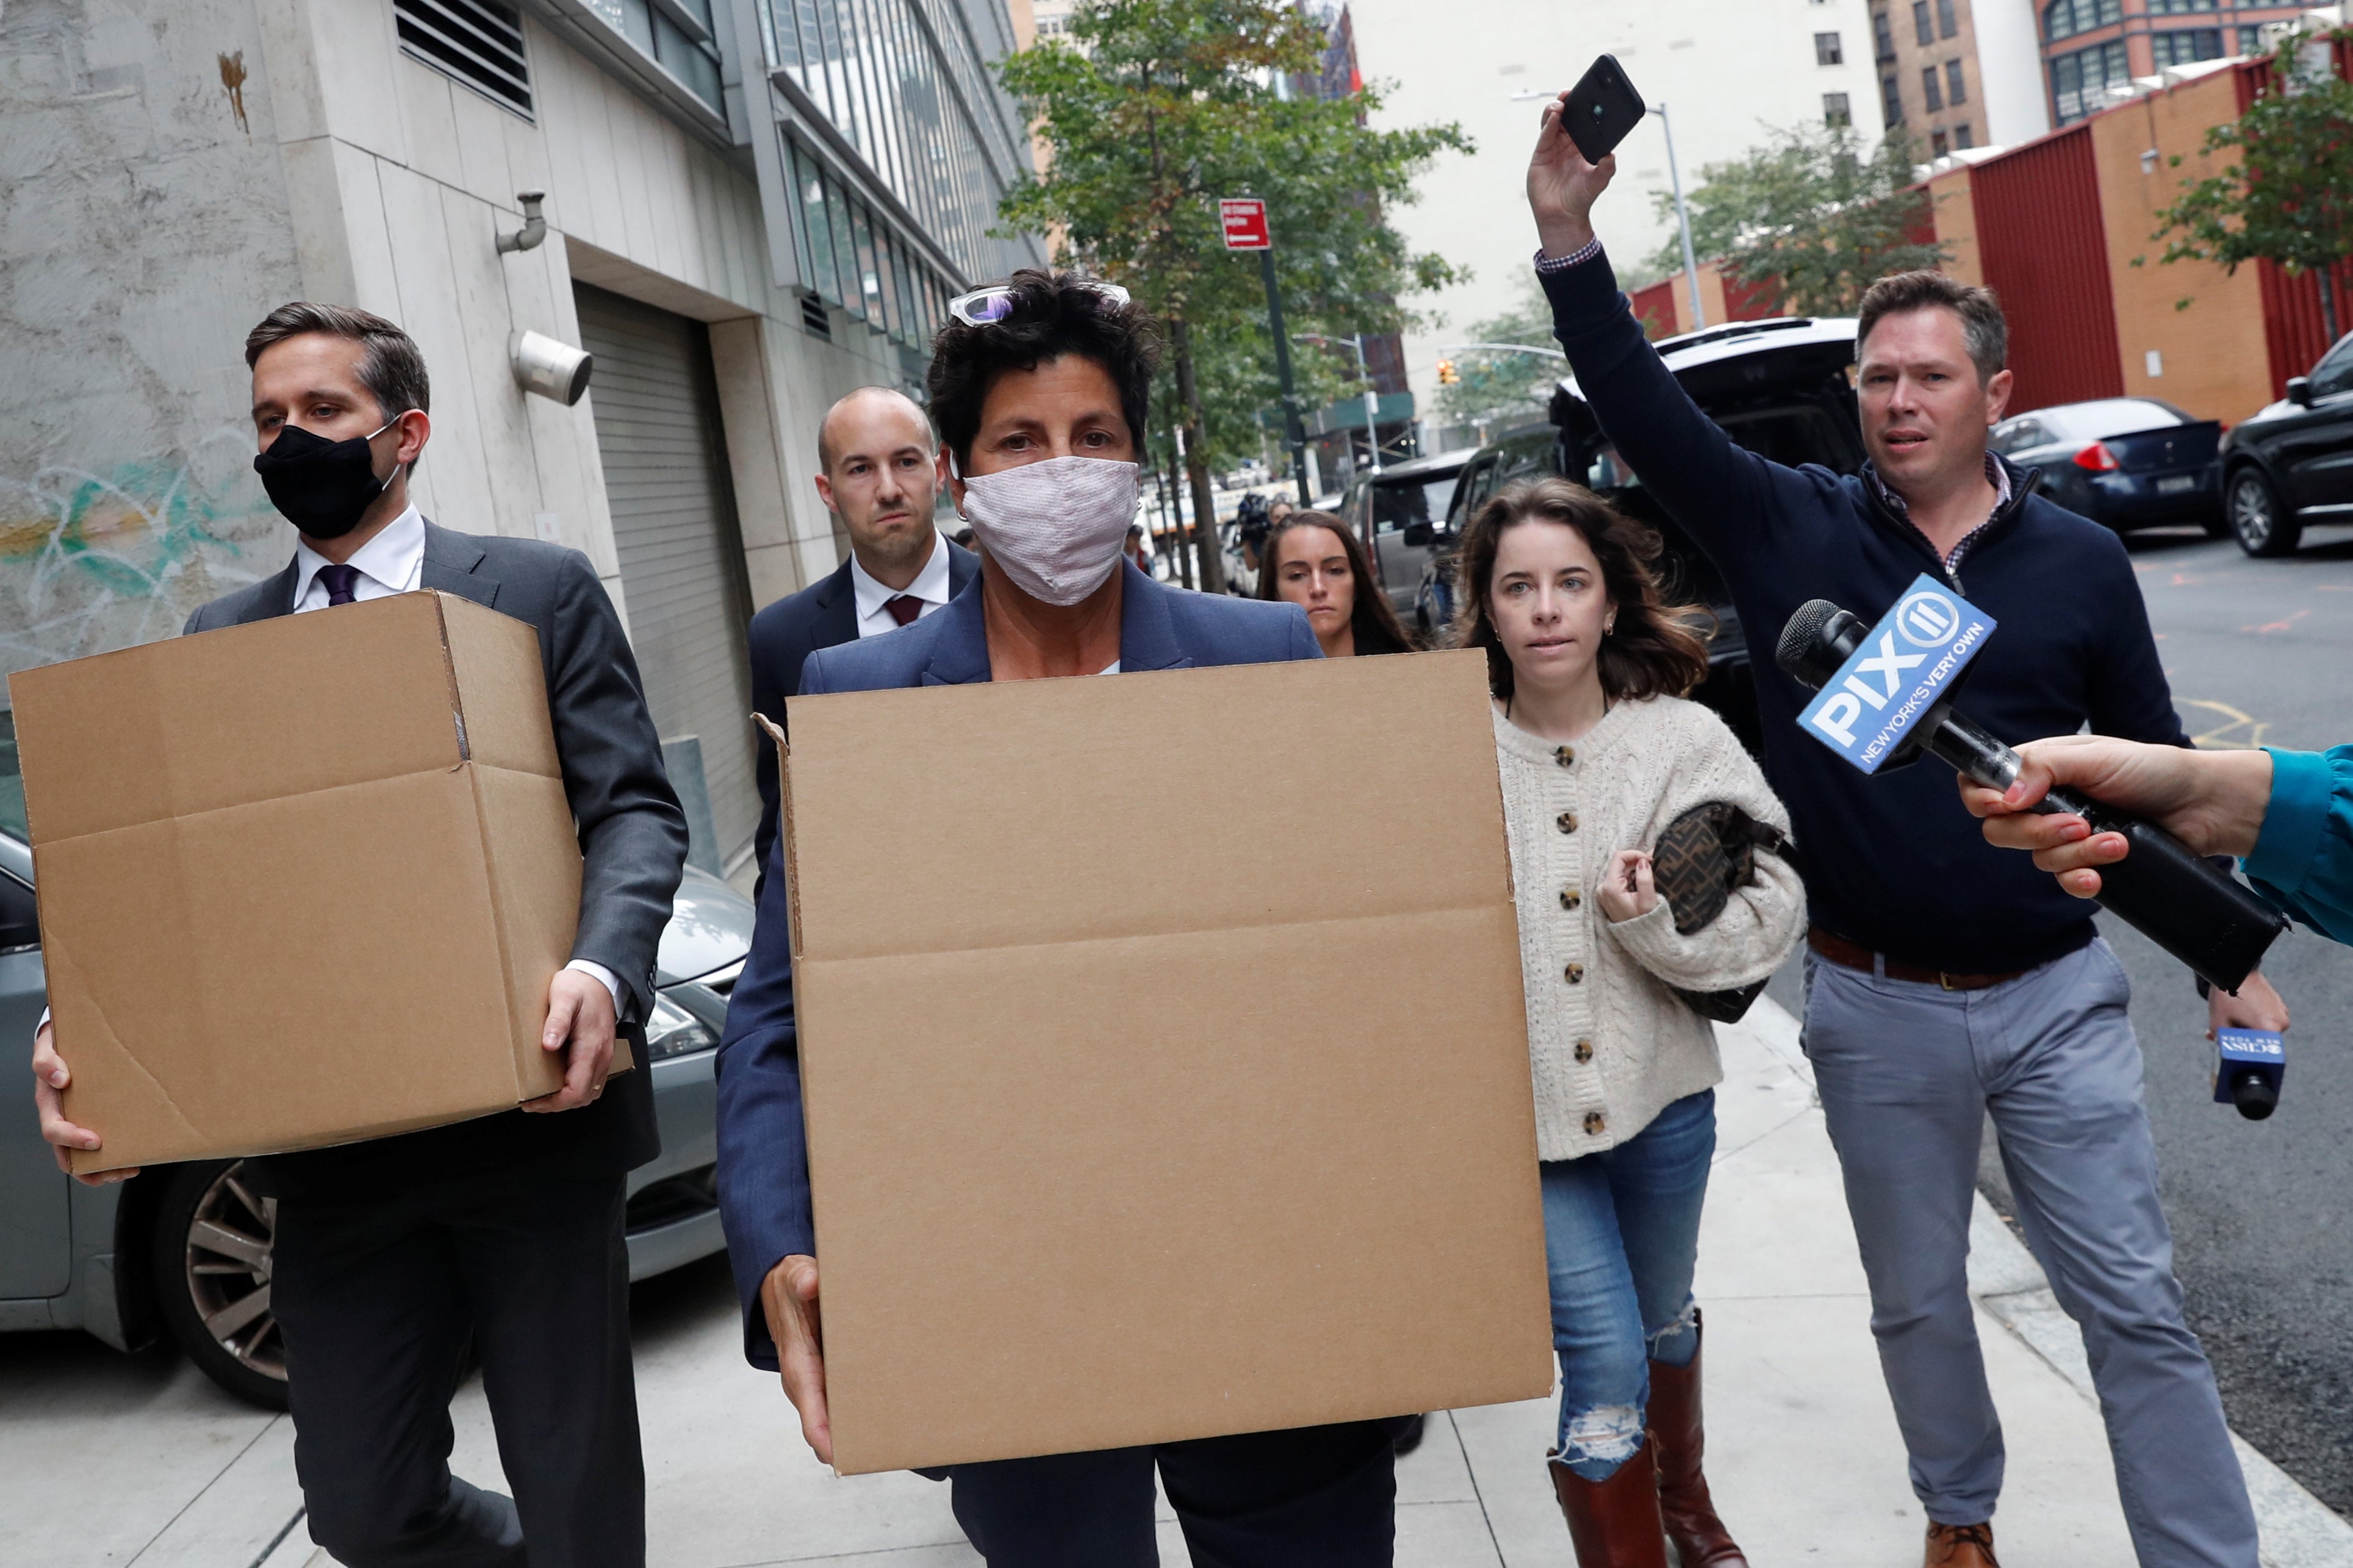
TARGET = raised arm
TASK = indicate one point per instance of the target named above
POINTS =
(1720, 493)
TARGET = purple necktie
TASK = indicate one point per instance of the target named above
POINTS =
(904, 609)
(340, 582)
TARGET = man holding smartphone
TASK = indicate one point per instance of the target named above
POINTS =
(1945, 983)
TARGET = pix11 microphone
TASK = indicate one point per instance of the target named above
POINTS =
(2248, 1066)
(2179, 901)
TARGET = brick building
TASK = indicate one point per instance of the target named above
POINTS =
(2093, 49)
(1959, 74)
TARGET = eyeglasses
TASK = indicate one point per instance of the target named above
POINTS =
(987, 306)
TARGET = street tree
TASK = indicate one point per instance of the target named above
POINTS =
(2289, 197)
(1152, 109)
(1815, 216)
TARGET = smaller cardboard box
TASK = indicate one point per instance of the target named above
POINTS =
(302, 881)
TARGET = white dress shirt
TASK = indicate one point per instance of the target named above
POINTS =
(392, 562)
(931, 585)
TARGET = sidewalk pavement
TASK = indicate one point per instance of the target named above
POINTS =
(1803, 1452)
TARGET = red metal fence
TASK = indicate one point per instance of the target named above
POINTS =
(2045, 252)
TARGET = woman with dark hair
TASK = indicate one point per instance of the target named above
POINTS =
(1041, 385)
(1311, 559)
(1601, 755)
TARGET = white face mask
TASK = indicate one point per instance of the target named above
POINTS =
(1057, 527)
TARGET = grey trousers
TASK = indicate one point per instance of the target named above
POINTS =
(1907, 1073)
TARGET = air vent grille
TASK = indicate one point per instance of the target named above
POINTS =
(814, 317)
(477, 42)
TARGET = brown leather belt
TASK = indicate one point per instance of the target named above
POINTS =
(1854, 956)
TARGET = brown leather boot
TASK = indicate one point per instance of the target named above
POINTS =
(1960, 1546)
(1613, 1524)
(1677, 1438)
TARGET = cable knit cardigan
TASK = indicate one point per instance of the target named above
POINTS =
(1609, 1043)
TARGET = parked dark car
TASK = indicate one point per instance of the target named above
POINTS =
(2124, 462)
(2292, 464)
(1526, 449)
(1397, 513)
(1783, 388)
(184, 1250)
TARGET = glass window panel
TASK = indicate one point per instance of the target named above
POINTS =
(895, 308)
(817, 225)
(869, 275)
(911, 314)
(845, 248)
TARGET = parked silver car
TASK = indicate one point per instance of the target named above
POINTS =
(184, 1250)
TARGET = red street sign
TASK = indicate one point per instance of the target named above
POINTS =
(1245, 221)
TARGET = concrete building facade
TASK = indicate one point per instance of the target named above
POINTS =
(750, 208)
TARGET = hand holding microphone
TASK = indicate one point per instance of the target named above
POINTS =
(2213, 801)
(1887, 693)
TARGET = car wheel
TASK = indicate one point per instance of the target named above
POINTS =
(212, 1252)
(2264, 527)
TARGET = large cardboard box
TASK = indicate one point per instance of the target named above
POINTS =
(1165, 1058)
(301, 881)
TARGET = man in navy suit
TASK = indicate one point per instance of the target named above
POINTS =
(1040, 388)
(882, 478)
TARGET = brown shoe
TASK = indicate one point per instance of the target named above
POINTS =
(1613, 1524)
(1677, 1438)
(1960, 1546)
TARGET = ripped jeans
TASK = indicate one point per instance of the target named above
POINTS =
(1621, 1234)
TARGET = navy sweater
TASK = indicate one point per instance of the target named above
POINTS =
(1891, 861)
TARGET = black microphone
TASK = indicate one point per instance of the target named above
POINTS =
(2179, 901)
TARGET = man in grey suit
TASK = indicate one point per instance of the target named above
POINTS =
(506, 1232)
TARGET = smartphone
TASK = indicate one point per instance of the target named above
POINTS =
(1602, 107)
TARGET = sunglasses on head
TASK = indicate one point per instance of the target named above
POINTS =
(987, 306)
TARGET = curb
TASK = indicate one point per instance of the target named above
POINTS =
(2298, 1529)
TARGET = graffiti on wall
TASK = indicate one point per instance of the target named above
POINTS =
(103, 557)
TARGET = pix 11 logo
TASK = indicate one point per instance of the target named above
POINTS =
(1904, 666)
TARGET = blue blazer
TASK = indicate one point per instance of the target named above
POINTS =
(763, 1191)
(783, 636)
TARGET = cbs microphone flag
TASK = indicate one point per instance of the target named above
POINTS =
(1908, 662)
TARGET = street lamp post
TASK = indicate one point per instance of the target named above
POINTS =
(1682, 218)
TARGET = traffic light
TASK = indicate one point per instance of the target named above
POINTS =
(1447, 375)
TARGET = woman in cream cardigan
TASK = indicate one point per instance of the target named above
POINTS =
(1599, 753)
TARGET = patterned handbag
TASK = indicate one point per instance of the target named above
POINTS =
(1702, 857)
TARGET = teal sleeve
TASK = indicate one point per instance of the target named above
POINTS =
(2304, 857)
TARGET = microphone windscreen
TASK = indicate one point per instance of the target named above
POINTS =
(1804, 646)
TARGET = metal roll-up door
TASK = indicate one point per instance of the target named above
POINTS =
(673, 508)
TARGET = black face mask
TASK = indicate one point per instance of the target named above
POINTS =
(322, 487)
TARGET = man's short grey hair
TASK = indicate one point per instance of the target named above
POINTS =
(390, 368)
(1982, 326)
(825, 452)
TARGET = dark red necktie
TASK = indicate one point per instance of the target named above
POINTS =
(341, 580)
(904, 609)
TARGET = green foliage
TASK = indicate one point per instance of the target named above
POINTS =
(1810, 214)
(1496, 386)
(1152, 109)
(2289, 197)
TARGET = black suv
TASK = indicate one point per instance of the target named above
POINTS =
(2292, 463)
(1783, 388)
